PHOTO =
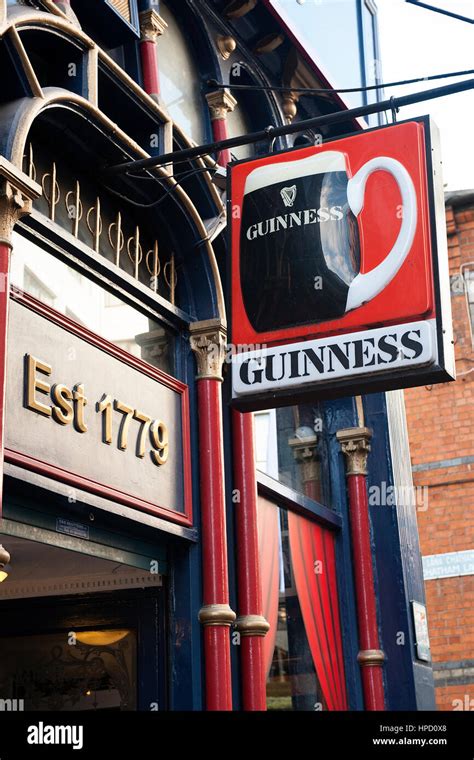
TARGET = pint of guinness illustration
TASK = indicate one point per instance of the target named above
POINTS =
(300, 250)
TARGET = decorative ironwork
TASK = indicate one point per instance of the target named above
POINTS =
(171, 278)
(51, 190)
(136, 255)
(116, 237)
(155, 269)
(74, 207)
(93, 227)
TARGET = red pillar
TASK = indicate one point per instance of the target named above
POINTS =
(355, 445)
(251, 624)
(220, 103)
(208, 344)
(5, 249)
(151, 27)
(17, 191)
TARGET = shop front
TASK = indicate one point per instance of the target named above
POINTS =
(164, 554)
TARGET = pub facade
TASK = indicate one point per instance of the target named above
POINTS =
(161, 550)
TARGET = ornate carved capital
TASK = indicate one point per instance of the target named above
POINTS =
(216, 614)
(220, 103)
(208, 341)
(154, 345)
(371, 657)
(355, 444)
(304, 451)
(225, 45)
(252, 625)
(17, 193)
(152, 25)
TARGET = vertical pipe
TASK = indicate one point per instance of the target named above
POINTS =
(208, 343)
(355, 445)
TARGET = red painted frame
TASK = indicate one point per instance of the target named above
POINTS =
(101, 489)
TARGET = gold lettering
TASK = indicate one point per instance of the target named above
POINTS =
(105, 407)
(33, 384)
(159, 439)
(80, 402)
(63, 412)
(145, 426)
(127, 412)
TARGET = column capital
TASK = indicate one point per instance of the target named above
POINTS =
(220, 102)
(304, 451)
(152, 25)
(17, 193)
(208, 341)
(355, 445)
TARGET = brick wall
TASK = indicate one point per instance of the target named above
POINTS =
(441, 430)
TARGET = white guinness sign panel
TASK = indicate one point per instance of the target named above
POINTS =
(328, 359)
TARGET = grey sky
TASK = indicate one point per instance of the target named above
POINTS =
(417, 42)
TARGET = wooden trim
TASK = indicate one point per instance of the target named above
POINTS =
(286, 497)
(57, 473)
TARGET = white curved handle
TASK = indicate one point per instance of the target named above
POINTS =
(366, 286)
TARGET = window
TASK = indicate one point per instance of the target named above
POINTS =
(303, 648)
(291, 446)
(56, 284)
(238, 123)
(179, 79)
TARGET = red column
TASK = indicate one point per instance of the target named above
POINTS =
(151, 27)
(17, 191)
(251, 624)
(5, 249)
(220, 103)
(355, 445)
(208, 344)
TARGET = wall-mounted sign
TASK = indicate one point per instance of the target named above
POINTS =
(84, 412)
(339, 281)
(420, 624)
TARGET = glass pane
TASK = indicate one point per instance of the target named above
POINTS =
(238, 123)
(292, 683)
(88, 670)
(303, 655)
(179, 79)
(65, 289)
(291, 446)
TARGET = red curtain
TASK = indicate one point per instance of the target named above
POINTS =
(314, 570)
(268, 547)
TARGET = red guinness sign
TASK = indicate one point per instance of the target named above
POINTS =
(339, 281)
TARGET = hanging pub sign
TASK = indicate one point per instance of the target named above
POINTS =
(339, 281)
